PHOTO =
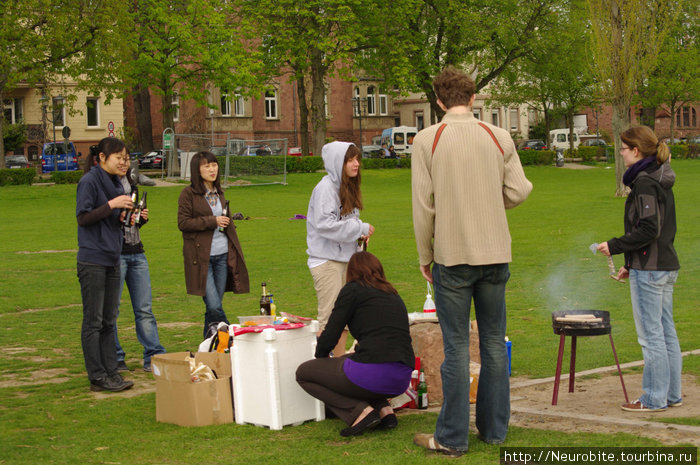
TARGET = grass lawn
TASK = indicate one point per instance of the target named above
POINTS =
(58, 420)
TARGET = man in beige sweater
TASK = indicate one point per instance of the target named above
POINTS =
(465, 174)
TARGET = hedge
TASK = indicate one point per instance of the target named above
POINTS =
(536, 157)
(17, 176)
(269, 165)
(66, 177)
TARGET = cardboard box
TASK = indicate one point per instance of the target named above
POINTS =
(180, 401)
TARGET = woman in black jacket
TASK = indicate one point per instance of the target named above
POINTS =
(651, 264)
(356, 386)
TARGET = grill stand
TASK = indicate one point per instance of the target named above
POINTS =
(572, 366)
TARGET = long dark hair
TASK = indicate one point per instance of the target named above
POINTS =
(108, 146)
(350, 195)
(366, 270)
(196, 176)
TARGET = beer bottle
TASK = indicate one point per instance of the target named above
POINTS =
(422, 391)
(127, 217)
(264, 301)
(141, 206)
(225, 212)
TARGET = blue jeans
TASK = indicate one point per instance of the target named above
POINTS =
(134, 271)
(216, 285)
(652, 304)
(455, 287)
(99, 288)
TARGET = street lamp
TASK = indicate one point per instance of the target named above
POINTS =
(359, 105)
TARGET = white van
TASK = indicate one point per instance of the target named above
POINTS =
(560, 139)
(401, 137)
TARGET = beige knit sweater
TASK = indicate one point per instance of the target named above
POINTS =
(461, 192)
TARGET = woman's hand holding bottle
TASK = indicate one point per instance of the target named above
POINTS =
(222, 221)
(121, 201)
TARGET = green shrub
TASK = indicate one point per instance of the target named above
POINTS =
(536, 157)
(589, 153)
(15, 177)
(66, 177)
(679, 151)
(377, 163)
(693, 151)
(304, 164)
(246, 166)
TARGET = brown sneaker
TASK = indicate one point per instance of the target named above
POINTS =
(638, 406)
(427, 441)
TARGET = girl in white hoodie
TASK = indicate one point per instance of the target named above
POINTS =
(333, 227)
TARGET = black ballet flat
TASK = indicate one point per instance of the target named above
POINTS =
(372, 420)
(388, 422)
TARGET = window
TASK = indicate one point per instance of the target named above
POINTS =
(325, 104)
(494, 118)
(356, 106)
(686, 117)
(397, 120)
(58, 118)
(419, 121)
(239, 105)
(271, 104)
(514, 119)
(561, 137)
(93, 112)
(225, 105)
(176, 106)
(383, 105)
(477, 113)
(371, 101)
(12, 109)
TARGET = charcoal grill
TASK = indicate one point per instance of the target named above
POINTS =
(577, 323)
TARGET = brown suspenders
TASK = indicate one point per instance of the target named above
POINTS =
(442, 128)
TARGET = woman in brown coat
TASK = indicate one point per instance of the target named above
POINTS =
(214, 260)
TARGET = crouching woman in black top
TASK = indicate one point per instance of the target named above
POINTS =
(356, 386)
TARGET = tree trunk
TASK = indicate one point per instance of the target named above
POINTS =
(620, 123)
(673, 109)
(318, 87)
(2, 132)
(142, 107)
(303, 117)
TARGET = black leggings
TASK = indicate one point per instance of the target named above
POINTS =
(324, 379)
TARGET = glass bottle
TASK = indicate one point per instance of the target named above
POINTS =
(264, 301)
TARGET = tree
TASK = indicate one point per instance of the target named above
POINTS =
(675, 80)
(43, 42)
(181, 47)
(14, 136)
(627, 35)
(311, 41)
(555, 77)
(485, 38)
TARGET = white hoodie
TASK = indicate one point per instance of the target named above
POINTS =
(328, 235)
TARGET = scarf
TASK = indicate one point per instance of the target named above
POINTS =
(632, 172)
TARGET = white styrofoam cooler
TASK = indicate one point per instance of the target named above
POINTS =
(265, 391)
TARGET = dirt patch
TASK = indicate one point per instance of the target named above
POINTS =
(28, 252)
(594, 407)
(51, 376)
(178, 325)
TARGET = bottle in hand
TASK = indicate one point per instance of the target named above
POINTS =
(141, 207)
(265, 308)
(224, 212)
(129, 213)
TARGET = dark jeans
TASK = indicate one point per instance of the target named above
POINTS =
(455, 287)
(217, 275)
(324, 379)
(99, 287)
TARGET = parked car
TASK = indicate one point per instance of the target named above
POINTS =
(64, 154)
(372, 151)
(594, 143)
(255, 150)
(16, 161)
(532, 144)
(296, 152)
(152, 160)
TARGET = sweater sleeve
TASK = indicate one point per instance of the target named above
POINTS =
(423, 200)
(516, 187)
(340, 317)
(186, 219)
(326, 222)
(648, 228)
